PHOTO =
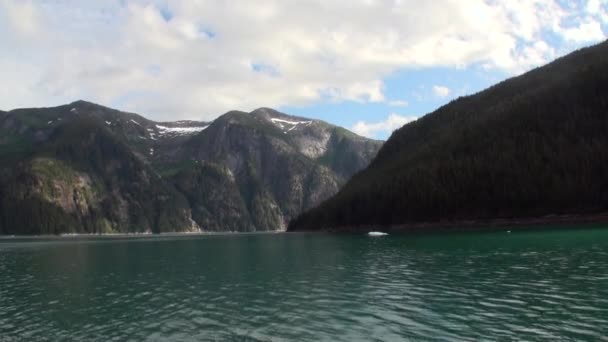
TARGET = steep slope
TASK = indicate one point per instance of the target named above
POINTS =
(28, 129)
(82, 168)
(85, 168)
(531, 146)
(83, 179)
(273, 166)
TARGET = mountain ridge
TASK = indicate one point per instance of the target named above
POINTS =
(87, 168)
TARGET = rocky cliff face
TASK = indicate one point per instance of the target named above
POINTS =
(87, 168)
(277, 165)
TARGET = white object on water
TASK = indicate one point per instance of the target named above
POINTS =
(377, 234)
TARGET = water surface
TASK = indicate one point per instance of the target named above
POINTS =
(308, 287)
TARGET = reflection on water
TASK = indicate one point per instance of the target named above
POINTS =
(531, 286)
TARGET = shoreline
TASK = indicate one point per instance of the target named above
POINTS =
(129, 235)
(519, 224)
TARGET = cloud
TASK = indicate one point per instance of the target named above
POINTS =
(398, 103)
(381, 128)
(593, 6)
(588, 31)
(173, 59)
(441, 91)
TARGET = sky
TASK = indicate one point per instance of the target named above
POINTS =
(367, 65)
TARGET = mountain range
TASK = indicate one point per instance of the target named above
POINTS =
(534, 147)
(85, 168)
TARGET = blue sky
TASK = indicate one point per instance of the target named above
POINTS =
(367, 65)
(412, 92)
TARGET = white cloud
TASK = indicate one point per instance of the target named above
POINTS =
(398, 103)
(593, 6)
(441, 91)
(587, 31)
(173, 59)
(598, 8)
(381, 128)
(537, 53)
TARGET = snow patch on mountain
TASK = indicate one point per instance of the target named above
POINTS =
(288, 126)
(165, 130)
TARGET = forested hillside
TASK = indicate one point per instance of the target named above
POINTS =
(531, 146)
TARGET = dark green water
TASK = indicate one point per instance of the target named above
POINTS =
(550, 285)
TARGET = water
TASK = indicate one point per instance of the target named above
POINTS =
(272, 287)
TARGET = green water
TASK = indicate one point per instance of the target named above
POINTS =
(549, 285)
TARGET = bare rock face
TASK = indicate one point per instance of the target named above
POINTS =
(281, 164)
(90, 169)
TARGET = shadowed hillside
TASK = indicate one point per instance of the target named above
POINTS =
(531, 146)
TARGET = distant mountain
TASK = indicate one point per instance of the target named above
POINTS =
(275, 165)
(85, 168)
(529, 147)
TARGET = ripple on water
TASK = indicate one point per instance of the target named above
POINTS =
(308, 287)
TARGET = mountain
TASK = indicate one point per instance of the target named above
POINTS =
(85, 168)
(269, 165)
(530, 147)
